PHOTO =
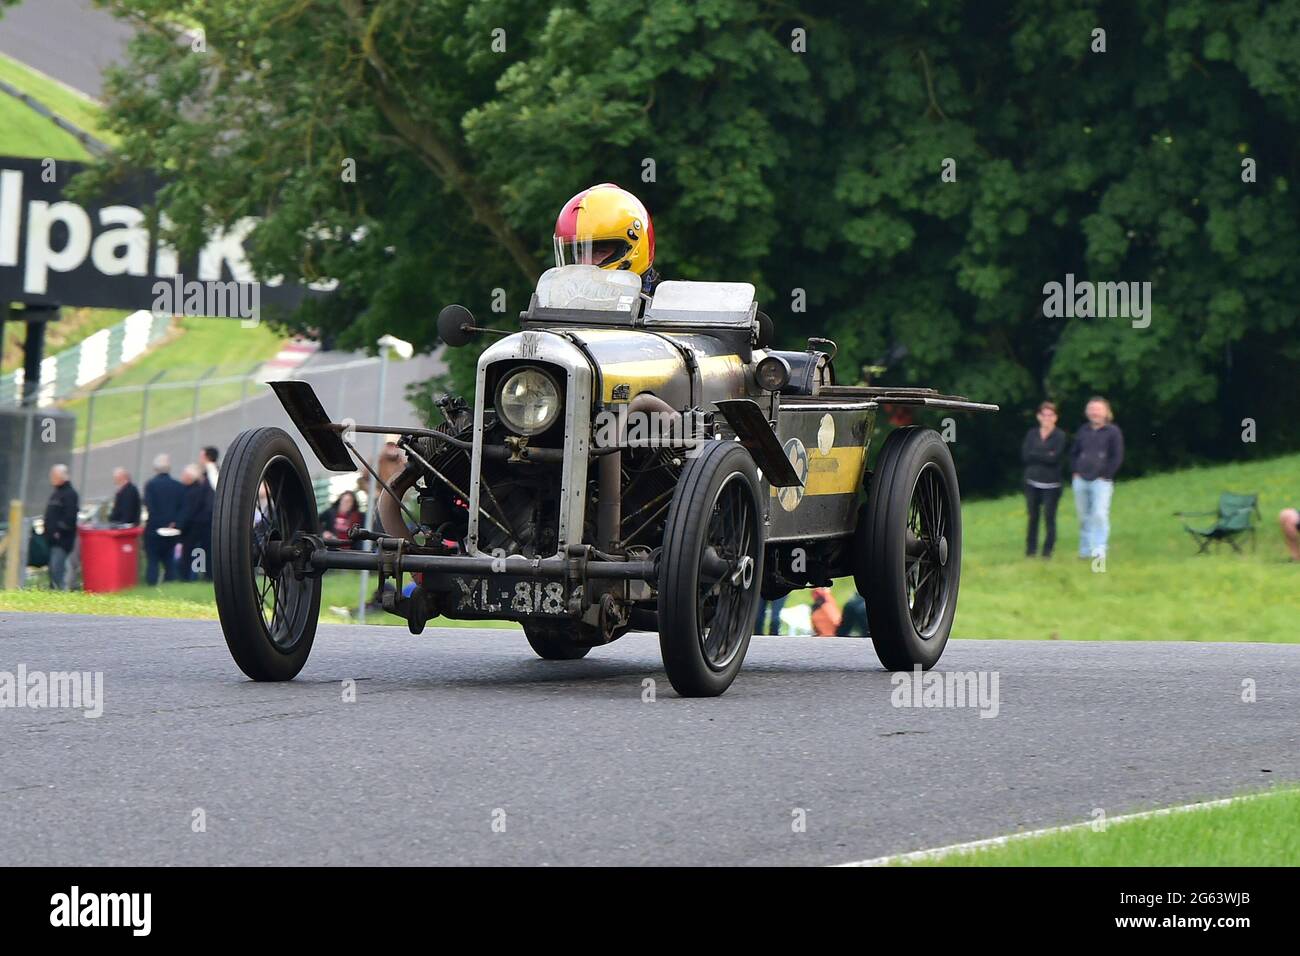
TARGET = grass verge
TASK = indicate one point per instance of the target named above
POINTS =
(73, 106)
(194, 600)
(198, 346)
(1260, 830)
(1152, 586)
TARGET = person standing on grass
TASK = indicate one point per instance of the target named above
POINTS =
(1043, 453)
(208, 462)
(1095, 460)
(60, 524)
(126, 500)
(195, 522)
(1289, 519)
(163, 498)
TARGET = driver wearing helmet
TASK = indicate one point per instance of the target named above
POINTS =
(608, 227)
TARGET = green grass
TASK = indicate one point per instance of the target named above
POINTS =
(27, 133)
(197, 346)
(194, 600)
(1261, 831)
(75, 107)
(1154, 587)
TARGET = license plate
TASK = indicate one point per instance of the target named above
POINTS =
(510, 595)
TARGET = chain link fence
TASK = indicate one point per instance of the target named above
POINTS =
(176, 412)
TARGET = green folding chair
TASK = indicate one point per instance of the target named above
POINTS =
(1235, 518)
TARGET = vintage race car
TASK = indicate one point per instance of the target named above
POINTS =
(627, 463)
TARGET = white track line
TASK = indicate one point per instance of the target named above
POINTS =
(939, 852)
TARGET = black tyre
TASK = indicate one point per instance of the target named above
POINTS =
(555, 642)
(710, 570)
(908, 549)
(264, 499)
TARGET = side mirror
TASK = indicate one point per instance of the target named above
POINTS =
(455, 323)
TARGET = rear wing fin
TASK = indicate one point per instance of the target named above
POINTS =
(305, 410)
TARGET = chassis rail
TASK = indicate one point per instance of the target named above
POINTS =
(554, 567)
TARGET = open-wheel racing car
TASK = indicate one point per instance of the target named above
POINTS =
(628, 462)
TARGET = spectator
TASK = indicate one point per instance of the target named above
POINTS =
(195, 522)
(826, 617)
(208, 462)
(1095, 460)
(853, 622)
(126, 501)
(341, 517)
(769, 611)
(163, 497)
(1289, 519)
(1042, 453)
(60, 524)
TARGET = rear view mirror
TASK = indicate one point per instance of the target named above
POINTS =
(455, 326)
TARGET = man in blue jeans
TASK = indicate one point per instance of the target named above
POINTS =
(1095, 459)
(60, 524)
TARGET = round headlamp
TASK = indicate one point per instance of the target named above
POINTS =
(772, 374)
(529, 401)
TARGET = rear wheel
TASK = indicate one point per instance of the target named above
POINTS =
(908, 549)
(710, 570)
(264, 500)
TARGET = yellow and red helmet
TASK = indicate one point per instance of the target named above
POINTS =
(605, 226)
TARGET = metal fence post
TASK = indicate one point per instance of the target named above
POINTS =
(25, 472)
(249, 376)
(194, 422)
(144, 425)
(14, 547)
(90, 422)
(375, 490)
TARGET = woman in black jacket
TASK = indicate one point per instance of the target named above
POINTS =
(1042, 453)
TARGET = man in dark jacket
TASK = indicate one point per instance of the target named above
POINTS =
(60, 524)
(163, 497)
(1095, 459)
(126, 501)
(196, 525)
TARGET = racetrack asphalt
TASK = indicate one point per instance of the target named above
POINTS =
(457, 729)
(70, 40)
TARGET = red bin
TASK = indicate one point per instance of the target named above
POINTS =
(110, 558)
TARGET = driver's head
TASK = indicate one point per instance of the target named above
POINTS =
(605, 226)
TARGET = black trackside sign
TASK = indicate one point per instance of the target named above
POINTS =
(54, 250)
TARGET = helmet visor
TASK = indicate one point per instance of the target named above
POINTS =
(587, 251)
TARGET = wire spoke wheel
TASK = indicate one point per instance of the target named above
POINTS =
(907, 549)
(264, 506)
(928, 573)
(730, 538)
(276, 520)
(710, 570)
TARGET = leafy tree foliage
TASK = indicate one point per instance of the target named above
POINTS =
(799, 147)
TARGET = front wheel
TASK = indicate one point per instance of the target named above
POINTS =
(710, 570)
(264, 500)
(908, 549)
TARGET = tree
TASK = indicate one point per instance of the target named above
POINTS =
(914, 176)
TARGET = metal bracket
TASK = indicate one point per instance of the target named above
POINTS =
(758, 438)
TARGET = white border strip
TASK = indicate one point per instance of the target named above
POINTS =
(918, 856)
